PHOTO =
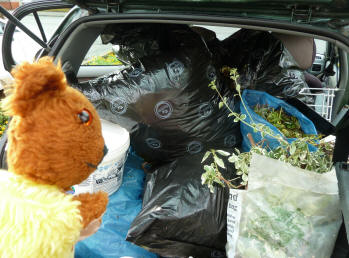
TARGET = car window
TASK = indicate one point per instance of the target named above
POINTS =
(53, 22)
(101, 54)
(25, 48)
(73, 15)
(2, 26)
(221, 32)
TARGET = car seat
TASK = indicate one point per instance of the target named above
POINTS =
(303, 50)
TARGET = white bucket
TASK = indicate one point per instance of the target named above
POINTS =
(108, 175)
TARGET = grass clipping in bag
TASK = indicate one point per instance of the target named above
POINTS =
(288, 125)
(285, 212)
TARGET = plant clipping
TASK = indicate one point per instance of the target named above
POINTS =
(296, 153)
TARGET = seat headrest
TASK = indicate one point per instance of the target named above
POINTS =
(302, 48)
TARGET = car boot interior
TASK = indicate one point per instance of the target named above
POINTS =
(167, 80)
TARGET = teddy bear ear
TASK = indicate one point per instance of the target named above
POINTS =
(32, 80)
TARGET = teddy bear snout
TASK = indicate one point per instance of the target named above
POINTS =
(105, 150)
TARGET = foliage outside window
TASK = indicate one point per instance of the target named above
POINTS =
(107, 59)
(3, 122)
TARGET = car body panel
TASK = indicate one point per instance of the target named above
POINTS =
(320, 13)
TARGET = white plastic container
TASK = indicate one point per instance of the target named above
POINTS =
(109, 173)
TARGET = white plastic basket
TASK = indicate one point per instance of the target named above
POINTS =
(323, 100)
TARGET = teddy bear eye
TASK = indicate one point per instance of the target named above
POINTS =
(85, 117)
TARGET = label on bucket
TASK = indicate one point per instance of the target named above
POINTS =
(107, 178)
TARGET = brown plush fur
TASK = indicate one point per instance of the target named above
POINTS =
(93, 205)
(47, 141)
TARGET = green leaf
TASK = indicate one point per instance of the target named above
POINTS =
(223, 153)
(230, 114)
(237, 87)
(233, 159)
(209, 168)
(233, 71)
(220, 105)
(243, 117)
(207, 154)
(212, 83)
(244, 178)
(203, 178)
(219, 161)
(244, 167)
(236, 120)
(292, 149)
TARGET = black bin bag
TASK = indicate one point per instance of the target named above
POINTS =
(263, 62)
(180, 216)
(163, 97)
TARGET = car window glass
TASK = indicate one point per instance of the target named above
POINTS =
(23, 47)
(104, 54)
(74, 14)
(101, 54)
(322, 83)
(221, 32)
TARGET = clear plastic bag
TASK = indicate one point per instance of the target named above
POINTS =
(286, 212)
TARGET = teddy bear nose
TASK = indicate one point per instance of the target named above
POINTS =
(105, 150)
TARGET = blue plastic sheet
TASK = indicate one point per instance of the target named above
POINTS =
(251, 98)
(124, 205)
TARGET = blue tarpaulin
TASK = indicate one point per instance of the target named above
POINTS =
(124, 205)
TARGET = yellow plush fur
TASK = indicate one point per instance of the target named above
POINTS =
(49, 216)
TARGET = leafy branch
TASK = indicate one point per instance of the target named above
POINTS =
(296, 153)
(212, 173)
(257, 127)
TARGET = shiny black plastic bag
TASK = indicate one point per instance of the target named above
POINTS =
(164, 98)
(136, 41)
(263, 63)
(180, 216)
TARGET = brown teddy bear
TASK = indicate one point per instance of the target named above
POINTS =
(54, 142)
